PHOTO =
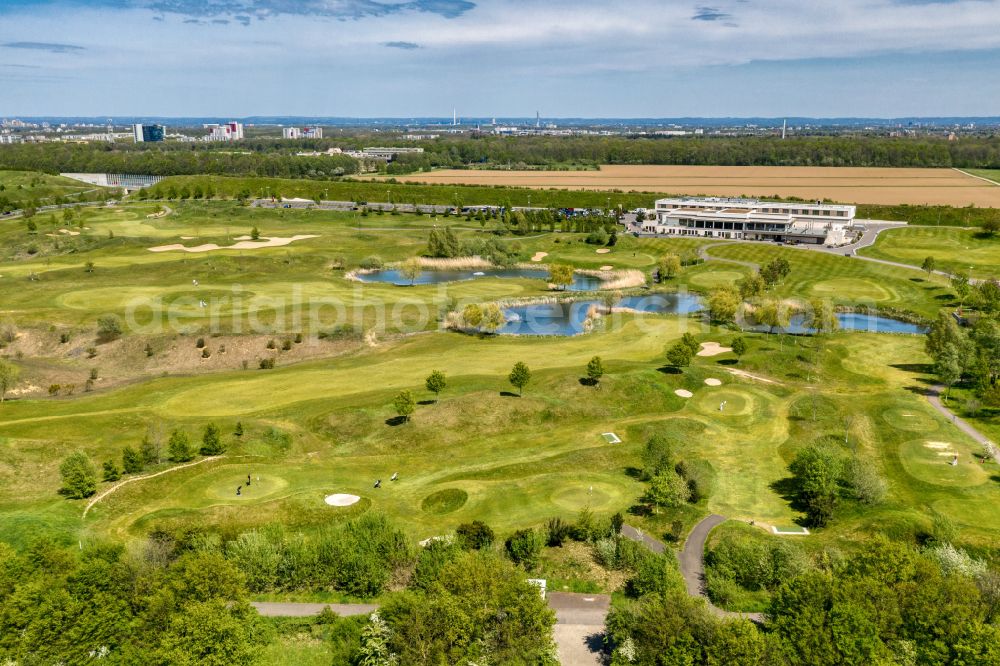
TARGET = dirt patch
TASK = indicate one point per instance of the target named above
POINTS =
(539, 256)
(873, 185)
(747, 375)
(713, 349)
(241, 245)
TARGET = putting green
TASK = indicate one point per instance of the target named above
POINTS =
(909, 419)
(855, 288)
(222, 484)
(739, 404)
(715, 279)
(596, 496)
(928, 461)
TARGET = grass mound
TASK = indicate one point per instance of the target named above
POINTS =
(445, 501)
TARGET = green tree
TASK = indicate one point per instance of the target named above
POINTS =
(595, 369)
(109, 327)
(991, 226)
(773, 314)
(79, 479)
(404, 404)
(450, 243)
(476, 535)
(9, 374)
(211, 441)
(667, 489)
(493, 318)
(724, 304)
(751, 286)
(928, 265)
(150, 450)
(131, 460)
(679, 355)
(691, 343)
(775, 271)
(960, 283)
(472, 315)
(739, 347)
(436, 382)
(111, 471)
(523, 547)
(179, 447)
(411, 269)
(817, 470)
(658, 455)
(561, 275)
(519, 376)
(668, 267)
(822, 316)
(255, 234)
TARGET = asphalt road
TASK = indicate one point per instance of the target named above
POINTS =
(934, 397)
(579, 630)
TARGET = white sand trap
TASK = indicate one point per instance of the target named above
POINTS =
(341, 499)
(242, 245)
(684, 393)
(712, 381)
(188, 237)
(65, 232)
(607, 268)
(603, 250)
(712, 349)
(539, 256)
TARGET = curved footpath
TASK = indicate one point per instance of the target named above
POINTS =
(934, 397)
(692, 561)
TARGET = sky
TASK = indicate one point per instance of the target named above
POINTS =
(502, 58)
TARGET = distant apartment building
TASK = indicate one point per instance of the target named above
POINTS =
(750, 219)
(304, 133)
(231, 131)
(10, 138)
(147, 133)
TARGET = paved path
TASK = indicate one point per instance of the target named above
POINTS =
(295, 609)
(579, 630)
(934, 397)
(692, 561)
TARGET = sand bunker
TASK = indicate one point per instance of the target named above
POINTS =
(188, 237)
(711, 381)
(539, 256)
(65, 232)
(712, 349)
(242, 245)
(603, 250)
(684, 393)
(341, 499)
(607, 268)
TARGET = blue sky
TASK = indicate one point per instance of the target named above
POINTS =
(592, 58)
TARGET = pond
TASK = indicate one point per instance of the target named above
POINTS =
(568, 318)
(663, 303)
(855, 321)
(580, 282)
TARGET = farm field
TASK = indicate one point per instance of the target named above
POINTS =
(954, 250)
(843, 184)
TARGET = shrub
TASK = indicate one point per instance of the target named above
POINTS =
(63, 338)
(205, 353)
(211, 442)
(266, 363)
(271, 344)
(91, 352)
(476, 535)
(131, 460)
(523, 548)
(371, 263)
(79, 480)
(558, 532)
(200, 343)
(179, 447)
(286, 345)
(111, 472)
(109, 327)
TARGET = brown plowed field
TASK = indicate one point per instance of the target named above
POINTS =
(843, 184)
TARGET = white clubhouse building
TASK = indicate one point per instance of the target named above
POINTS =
(750, 219)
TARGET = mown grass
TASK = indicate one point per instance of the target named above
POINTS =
(325, 426)
(954, 250)
(24, 188)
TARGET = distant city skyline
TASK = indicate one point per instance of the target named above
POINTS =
(503, 58)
